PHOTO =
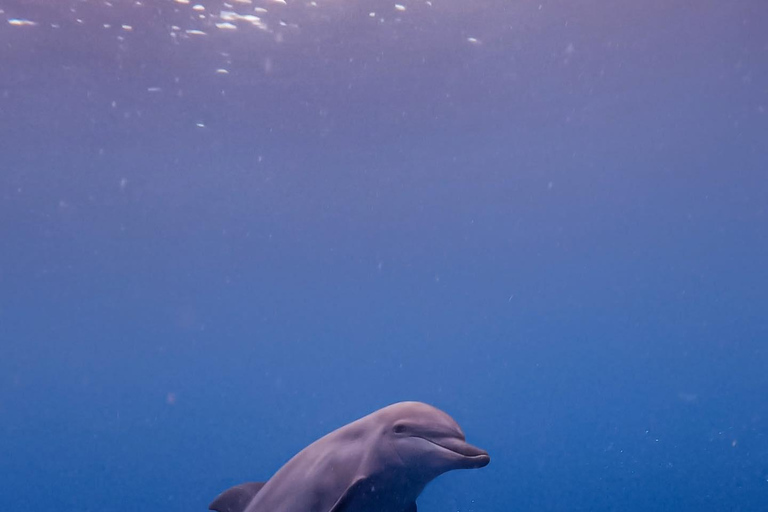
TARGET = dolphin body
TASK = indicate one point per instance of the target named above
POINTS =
(379, 463)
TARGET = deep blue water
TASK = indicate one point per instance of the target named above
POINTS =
(548, 218)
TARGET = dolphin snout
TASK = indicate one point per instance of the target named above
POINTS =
(475, 457)
(480, 461)
(472, 456)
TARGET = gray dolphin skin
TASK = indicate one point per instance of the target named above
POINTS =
(379, 463)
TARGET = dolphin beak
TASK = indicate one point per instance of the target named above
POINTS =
(471, 456)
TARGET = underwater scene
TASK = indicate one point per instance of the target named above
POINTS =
(384, 256)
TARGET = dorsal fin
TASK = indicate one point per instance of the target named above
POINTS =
(236, 498)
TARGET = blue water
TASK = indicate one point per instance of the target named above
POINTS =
(548, 218)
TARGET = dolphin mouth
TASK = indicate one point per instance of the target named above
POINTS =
(474, 457)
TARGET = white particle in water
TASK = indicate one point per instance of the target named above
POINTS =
(20, 22)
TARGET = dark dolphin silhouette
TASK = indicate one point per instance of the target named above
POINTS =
(379, 463)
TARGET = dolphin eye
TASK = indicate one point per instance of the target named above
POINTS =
(399, 428)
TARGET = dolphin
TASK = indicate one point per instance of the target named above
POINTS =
(378, 463)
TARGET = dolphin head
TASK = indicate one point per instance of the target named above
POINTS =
(428, 441)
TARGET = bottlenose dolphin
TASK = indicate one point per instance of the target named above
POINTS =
(379, 463)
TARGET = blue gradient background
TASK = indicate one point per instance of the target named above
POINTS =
(558, 235)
